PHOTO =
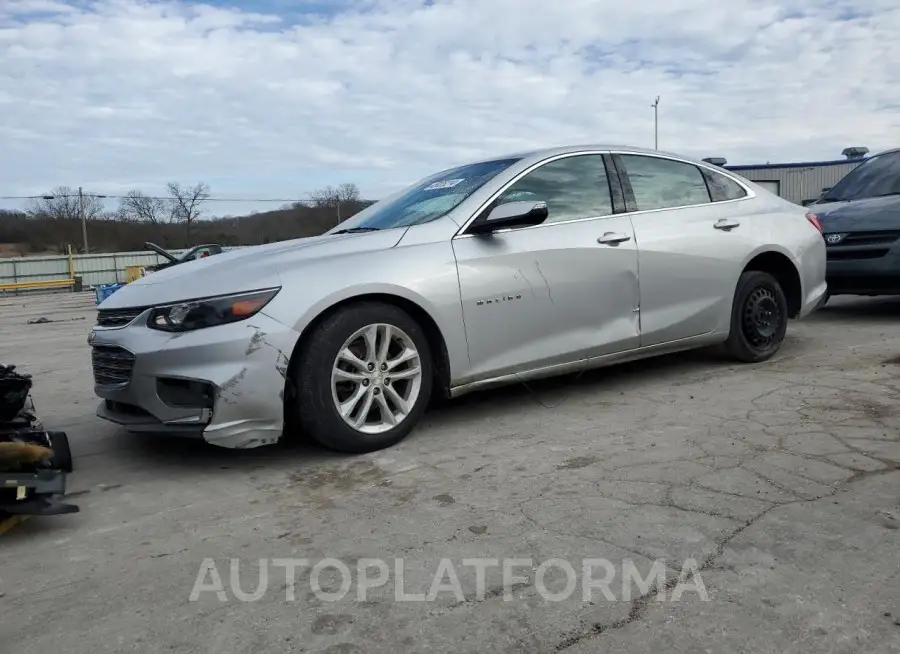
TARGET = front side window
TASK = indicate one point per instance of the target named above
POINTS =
(573, 187)
(664, 184)
(875, 177)
(428, 200)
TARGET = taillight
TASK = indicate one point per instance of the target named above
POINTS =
(814, 219)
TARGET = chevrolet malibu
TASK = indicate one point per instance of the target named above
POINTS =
(498, 271)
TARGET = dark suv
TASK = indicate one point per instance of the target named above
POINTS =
(860, 218)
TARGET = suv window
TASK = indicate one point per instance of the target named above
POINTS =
(875, 177)
(722, 188)
(664, 184)
(574, 187)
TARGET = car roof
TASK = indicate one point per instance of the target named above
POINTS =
(541, 153)
(878, 154)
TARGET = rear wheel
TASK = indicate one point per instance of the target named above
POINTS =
(759, 318)
(364, 379)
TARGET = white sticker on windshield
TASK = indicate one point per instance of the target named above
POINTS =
(447, 183)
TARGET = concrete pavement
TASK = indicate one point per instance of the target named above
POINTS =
(781, 481)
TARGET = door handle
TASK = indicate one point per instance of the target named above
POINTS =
(726, 224)
(613, 238)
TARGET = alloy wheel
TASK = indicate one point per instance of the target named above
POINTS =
(376, 378)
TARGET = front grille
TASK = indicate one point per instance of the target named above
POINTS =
(853, 255)
(861, 245)
(870, 238)
(112, 365)
(117, 317)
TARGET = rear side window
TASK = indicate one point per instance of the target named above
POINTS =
(664, 184)
(722, 188)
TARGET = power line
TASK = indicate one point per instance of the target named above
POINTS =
(143, 197)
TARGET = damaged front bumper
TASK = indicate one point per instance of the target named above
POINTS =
(223, 384)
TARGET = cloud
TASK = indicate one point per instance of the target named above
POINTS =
(277, 98)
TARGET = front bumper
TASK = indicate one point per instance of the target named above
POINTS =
(223, 384)
(864, 270)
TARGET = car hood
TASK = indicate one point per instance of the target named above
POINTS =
(868, 215)
(244, 269)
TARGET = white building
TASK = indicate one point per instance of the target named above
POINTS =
(797, 182)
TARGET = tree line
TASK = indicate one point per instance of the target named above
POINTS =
(177, 220)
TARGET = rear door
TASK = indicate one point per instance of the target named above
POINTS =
(690, 247)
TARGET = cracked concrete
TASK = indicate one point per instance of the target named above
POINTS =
(782, 481)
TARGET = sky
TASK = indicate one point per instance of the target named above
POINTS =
(271, 99)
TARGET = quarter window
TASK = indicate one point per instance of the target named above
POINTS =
(574, 187)
(664, 184)
(722, 188)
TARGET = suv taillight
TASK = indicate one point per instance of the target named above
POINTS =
(814, 220)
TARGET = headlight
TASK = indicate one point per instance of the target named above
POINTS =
(209, 312)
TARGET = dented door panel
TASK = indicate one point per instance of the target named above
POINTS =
(547, 295)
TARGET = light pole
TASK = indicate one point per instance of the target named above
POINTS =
(83, 219)
(655, 106)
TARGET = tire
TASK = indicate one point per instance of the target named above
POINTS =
(749, 340)
(318, 392)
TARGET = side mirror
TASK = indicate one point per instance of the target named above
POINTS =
(510, 215)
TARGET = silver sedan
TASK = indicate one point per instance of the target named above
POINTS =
(502, 270)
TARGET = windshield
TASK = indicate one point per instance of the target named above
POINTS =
(429, 199)
(875, 177)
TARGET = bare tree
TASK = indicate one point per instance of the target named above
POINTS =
(64, 203)
(348, 193)
(333, 198)
(67, 205)
(187, 204)
(143, 208)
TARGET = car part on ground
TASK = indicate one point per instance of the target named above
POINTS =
(34, 462)
(490, 273)
(860, 218)
(14, 389)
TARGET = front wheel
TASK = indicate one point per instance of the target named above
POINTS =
(364, 379)
(759, 318)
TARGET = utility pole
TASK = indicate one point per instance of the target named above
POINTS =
(655, 106)
(83, 219)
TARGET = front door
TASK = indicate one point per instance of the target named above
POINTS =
(557, 292)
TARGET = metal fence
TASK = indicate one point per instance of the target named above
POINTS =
(94, 269)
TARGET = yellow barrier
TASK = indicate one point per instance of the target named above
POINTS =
(32, 286)
(133, 273)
